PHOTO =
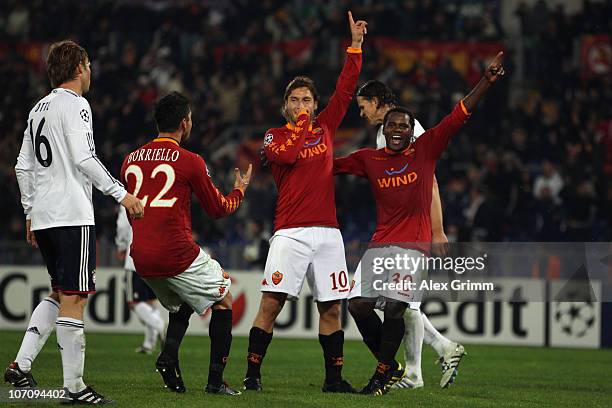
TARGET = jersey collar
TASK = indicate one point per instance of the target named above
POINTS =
(406, 152)
(291, 127)
(165, 139)
(70, 92)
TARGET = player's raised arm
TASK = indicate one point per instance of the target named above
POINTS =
(358, 31)
(338, 104)
(214, 203)
(282, 149)
(493, 72)
(436, 139)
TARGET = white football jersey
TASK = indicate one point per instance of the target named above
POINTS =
(57, 163)
(123, 238)
(382, 142)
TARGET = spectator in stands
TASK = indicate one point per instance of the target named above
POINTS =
(548, 183)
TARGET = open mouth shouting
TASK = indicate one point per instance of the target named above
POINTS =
(397, 140)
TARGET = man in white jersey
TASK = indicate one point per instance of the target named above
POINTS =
(139, 296)
(375, 99)
(55, 170)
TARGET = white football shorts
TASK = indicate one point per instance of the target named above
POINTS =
(203, 284)
(380, 283)
(315, 253)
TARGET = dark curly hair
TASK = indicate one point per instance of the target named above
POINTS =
(376, 89)
(170, 111)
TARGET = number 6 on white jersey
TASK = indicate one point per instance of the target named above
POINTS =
(158, 201)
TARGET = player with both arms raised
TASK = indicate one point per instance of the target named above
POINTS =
(403, 215)
(375, 99)
(307, 242)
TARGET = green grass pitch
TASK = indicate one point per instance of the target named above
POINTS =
(293, 373)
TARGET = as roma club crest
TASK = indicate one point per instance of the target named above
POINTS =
(277, 277)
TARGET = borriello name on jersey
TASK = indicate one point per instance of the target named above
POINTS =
(154, 155)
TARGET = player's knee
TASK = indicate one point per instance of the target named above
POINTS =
(395, 310)
(73, 301)
(72, 306)
(225, 303)
(330, 311)
(271, 305)
(183, 314)
(270, 310)
(358, 308)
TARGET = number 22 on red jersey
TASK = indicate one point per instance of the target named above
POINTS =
(162, 199)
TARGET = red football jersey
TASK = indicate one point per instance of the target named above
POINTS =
(163, 175)
(402, 182)
(301, 159)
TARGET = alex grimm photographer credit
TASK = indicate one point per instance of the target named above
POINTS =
(306, 203)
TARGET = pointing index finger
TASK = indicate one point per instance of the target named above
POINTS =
(350, 16)
(499, 57)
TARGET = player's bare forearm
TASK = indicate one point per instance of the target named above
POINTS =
(439, 240)
(437, 223)
(493, 72)
(472, 99)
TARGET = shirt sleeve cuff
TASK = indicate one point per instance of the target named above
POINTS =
(120, 195)
(240, 193)
(352, 50)
(464, 109)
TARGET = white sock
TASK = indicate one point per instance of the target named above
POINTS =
(434, 338)
(71, 341)
(40, 327)
(413, 344)
(150, 338)
(149, 315)
(162, 332)
(152, 320)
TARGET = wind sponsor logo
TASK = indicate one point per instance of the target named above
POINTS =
(397, 177)
(312, 149)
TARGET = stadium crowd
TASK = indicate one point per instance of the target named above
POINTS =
(533, 164)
